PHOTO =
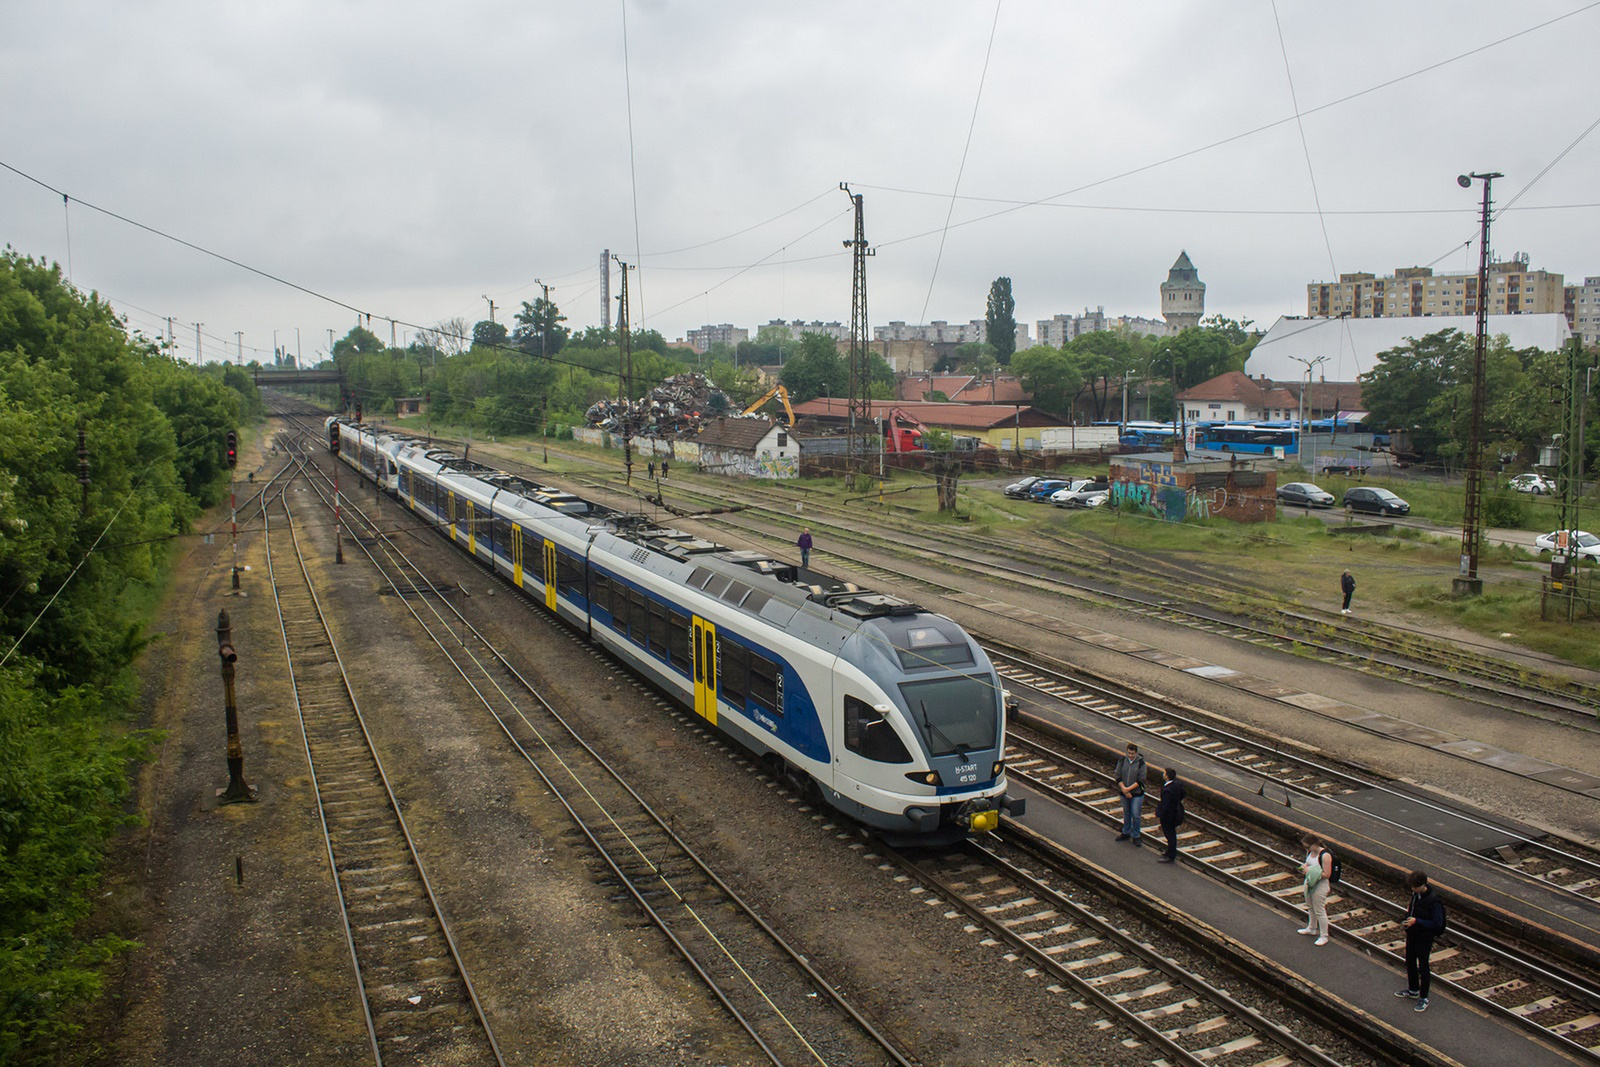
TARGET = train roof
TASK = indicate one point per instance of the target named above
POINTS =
(754, 579)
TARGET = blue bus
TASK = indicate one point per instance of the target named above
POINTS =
(1248, 438)
(1148, 434)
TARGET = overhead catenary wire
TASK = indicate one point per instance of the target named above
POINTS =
(1258, 129)
(966, 148)
(633, 172)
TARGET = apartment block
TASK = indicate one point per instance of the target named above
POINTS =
(702, 339)
(1583, 310)
(1416, 292)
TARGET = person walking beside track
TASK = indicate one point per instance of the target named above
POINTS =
(1424, 921)
(1347, 583)
(1318, 873)
(1170, 813)
(1129, 777)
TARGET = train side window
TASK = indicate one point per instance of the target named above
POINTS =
(765, 684)
(500, 534)
(532, 558)
(678, 640)
(569, 578)
(734, 660)
(869, 736)
(658, 629)
(638, 616)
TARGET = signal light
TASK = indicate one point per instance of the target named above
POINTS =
(233, 449)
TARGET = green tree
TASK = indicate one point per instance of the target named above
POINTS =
(69, 561)
(1001, 320)
(1406, 390)
(358, 342)
(488, 334)
(815, 370)
(539, 331)
(1052, 376)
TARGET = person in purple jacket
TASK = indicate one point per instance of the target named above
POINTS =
(1424, 921)
(805, 547)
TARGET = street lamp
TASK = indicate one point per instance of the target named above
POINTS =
(1300, 424)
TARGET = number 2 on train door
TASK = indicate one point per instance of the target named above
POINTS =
(705, 670)
(550, 575)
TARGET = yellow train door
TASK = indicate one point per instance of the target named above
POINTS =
(550, 575)
(705, 670)
(472, 532)
(452, 511)
(516, 555)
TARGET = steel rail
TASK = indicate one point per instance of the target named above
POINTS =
(383, 779)
(1209, 729)
(1485, 945)
(1107, 931)
(635, 890)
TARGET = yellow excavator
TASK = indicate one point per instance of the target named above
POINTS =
(776, 391)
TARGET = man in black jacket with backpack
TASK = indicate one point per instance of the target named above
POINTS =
(1424, 921)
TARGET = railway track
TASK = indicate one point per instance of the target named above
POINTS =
(416, 994)
(1568, 870)
(1028, 904)
(1541, 998)
(1354, 643)
(769, 988)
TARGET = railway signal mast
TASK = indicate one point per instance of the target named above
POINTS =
(860, 405)
(1468, 583)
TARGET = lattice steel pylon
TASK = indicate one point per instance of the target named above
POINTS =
(1468, 582)
(860, 409)
(1564, 570)
(625, 376)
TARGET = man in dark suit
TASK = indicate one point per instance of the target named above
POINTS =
(1169, 812)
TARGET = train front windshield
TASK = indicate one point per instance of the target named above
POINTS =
(956, 714)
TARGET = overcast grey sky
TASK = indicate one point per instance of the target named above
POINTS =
(407, 158)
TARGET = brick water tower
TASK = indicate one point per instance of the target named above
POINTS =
(1183, 295)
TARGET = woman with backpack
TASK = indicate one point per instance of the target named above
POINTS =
(1318, 873)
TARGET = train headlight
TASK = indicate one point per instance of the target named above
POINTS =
(924, 777)
(999, 765)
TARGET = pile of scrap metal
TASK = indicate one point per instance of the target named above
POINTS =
(675, 408)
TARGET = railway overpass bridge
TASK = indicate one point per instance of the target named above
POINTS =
(271, 377)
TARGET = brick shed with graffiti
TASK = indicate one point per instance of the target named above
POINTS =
(755, 447)
(1244, 490)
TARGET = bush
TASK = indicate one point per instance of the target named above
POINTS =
(1505, 508)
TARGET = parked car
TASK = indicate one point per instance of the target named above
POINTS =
(1078, 485)
(1536, 484)
(1040, 491)
(1582, 544)
(1019, 489)
(1089, 498)
(1305, 494)
(1376, 501)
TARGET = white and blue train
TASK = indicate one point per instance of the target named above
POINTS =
(894, 713)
